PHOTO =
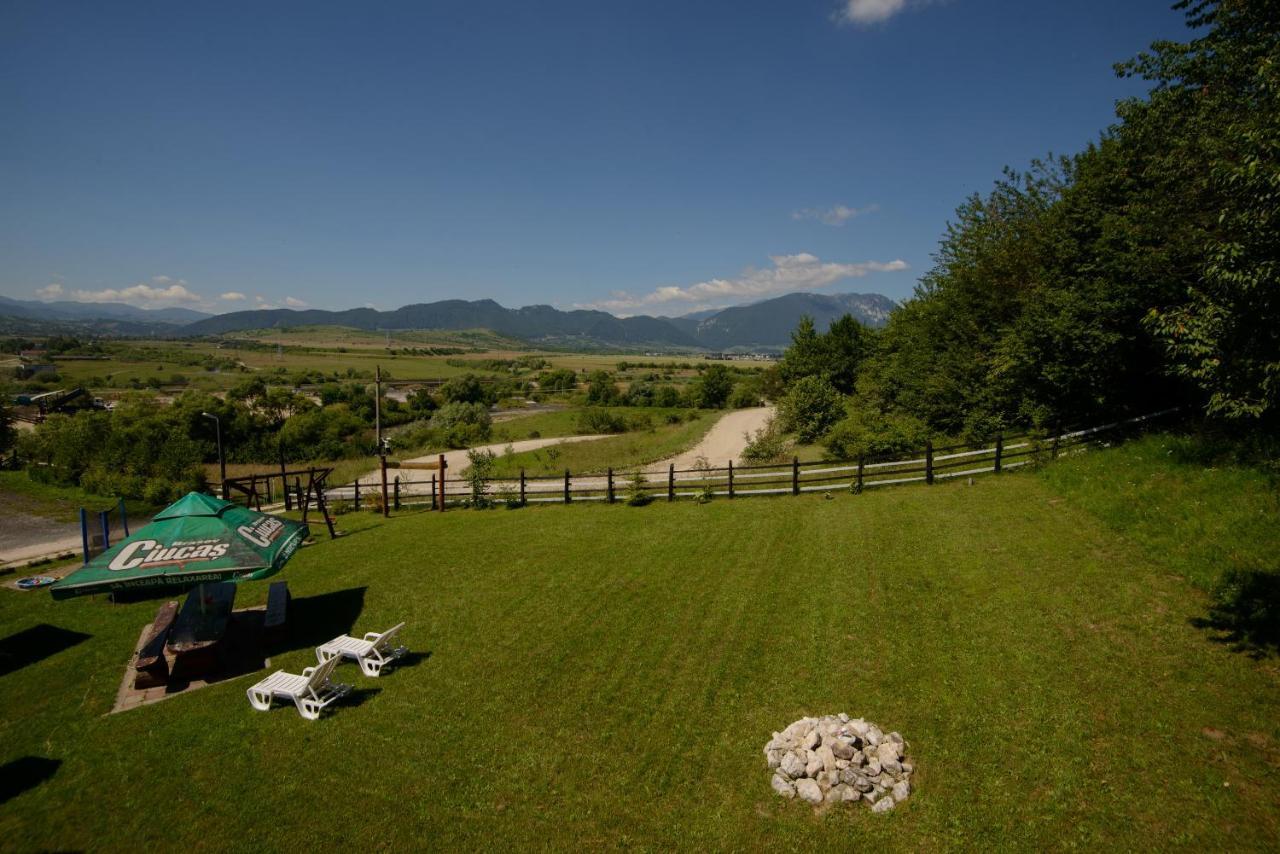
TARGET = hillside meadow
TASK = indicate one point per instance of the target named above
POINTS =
(579, 681)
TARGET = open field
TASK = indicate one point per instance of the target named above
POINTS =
(583, 682)
(333, 350)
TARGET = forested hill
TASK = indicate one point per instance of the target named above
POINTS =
(762, 326)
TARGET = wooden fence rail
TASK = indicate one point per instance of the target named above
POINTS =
(930, 465)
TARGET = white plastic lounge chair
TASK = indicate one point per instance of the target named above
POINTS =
(372, 653)
(310, 692)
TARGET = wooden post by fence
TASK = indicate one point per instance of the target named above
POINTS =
(610, 485)
(397, 493)
(928, 461)
(862, 467)
(523, 501)
(284, 476)
(1057, 435)
(795, 475)
(671, 482)
(999, 451)
(124, 518)
(357, 486)
(433, 493)
(731, 479)
(567, 499)
(297, 491)
(443, 467)
(106, 529)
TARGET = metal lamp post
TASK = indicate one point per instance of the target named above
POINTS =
(222, 460)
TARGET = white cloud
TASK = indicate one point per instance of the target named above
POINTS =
(864, 13)
(836, 215)
(51, 291)
(169, 292)
(294, 302)
(232, 296)
(787, 273)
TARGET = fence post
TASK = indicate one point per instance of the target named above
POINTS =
(124, 518)
(297, 490)
(999, 451)
(862, 467)
(84, 532)
(1057, 435)
(443, 466)
(567, 499)
(357, 495)
(105, 519)
(731, 479)
(610, 476)
(795, 475)
(523, 501)
(928, 461)
(397, 493)
(671, 482)
(433, 493)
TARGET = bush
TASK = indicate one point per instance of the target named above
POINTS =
(810, 408)
(636, 494)
(745, 396)
(592, 421)
(478, 475)
(463, 424)
(876, 435)
(713, 388)
(766, 446)
(466, 389)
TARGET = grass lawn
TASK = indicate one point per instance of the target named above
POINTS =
(607, 676)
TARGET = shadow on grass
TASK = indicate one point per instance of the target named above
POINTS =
(36, 644)
(25, 773)
(1245, 612)
(410, 659)
(314, 620)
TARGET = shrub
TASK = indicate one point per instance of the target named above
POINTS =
(810, 408)
(636, 494)
(463, 424)
(478, 475)
(767, 445)
(876, 435)
(592, 420)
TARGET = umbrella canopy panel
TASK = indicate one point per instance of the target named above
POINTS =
(196, 539)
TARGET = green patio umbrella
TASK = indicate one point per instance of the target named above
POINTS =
(195, 540)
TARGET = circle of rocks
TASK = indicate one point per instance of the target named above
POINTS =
(833, 759)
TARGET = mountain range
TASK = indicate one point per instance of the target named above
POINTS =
(759, 327)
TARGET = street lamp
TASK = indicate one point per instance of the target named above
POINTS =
(222, 460)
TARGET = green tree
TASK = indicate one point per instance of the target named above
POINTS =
(714, 387)
(810, 408)
(601, 390)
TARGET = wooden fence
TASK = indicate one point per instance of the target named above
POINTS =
(929, 465)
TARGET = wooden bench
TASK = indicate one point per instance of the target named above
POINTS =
(152, 668)
(277, 616)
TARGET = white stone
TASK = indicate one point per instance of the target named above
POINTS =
(809, 791)
(901, 790)
(792, 765)
(783, 786)
(883, 805)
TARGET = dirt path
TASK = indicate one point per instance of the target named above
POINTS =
(723, 442)
(457, 460)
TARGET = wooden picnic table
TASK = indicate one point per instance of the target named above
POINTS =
(200, 628)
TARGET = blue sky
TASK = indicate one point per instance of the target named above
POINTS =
(643, 157)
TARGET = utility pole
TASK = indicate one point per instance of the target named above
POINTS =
(222, 458)
(377, 426)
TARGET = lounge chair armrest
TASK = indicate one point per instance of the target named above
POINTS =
(373, 636)
(307, 671)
